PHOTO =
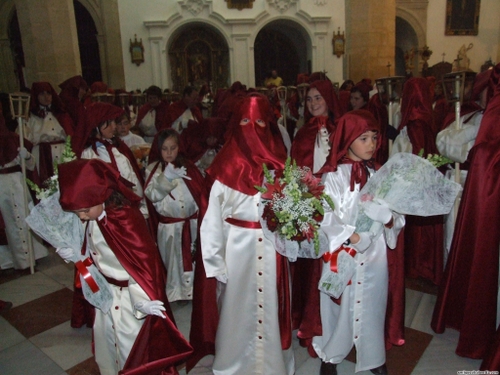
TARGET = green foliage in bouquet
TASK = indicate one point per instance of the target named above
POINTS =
(436, 159)
(51, 185)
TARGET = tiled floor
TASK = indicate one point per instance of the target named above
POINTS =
(36, 337)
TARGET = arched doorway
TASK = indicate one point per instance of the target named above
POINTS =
(88, 44)
(16, 46)
(282, 45)
(198, 55)
(406, 49)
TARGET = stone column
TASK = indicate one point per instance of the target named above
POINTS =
(371, 38)
(241, 57)
(113, 64)
(8, 81)
(50, 40)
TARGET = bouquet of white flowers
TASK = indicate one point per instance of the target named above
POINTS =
(410, 185)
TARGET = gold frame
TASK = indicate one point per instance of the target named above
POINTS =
(136, 51)
(338, 43)
(239, 4)
(462, 21)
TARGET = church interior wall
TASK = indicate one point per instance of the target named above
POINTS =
(486, 43)
(156, 21)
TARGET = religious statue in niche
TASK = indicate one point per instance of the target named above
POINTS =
(409, 57)
(198, 63)
(462, 62)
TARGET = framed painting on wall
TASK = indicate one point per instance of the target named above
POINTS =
(462, 17)
(239, 4)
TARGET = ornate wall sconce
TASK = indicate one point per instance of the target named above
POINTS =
(136, 51)
(338, 43)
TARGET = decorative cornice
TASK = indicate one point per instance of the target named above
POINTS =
(313, 19)
(162, 23)
(239, 21)
(282, 5)
(194, 6)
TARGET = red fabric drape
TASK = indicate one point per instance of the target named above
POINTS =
(468, 296)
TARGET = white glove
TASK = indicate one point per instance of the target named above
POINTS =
(151, 308)
(222, 278)
(171, 173)
(68, 254)
(378, 210)
(23, 153)
(364, 242)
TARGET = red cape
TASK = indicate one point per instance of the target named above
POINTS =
(467, 299)
(193, 139)
(160, 116)
(159, 346)
(303, 144)
(176, 109)
(205, 320)
(379, 111)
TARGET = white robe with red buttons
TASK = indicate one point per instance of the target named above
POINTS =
(360, 318)
(248, 337)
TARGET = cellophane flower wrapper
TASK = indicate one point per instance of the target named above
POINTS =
(292, 249)
(56, 226)
(334, 283)
(64, 229)
(410, 185)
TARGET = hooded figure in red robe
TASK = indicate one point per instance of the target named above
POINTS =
(236, 170)
(43, 131)
(129, 260)
(467, 298)
(73, 93)
(424, 243)
(304, 141)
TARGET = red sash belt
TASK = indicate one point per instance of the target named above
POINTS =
(8, 170)
(187, 257)
(81, 267)
(120, 283)
(282, 286)
(244, 223)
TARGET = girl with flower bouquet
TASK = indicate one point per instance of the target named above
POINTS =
(254, 330)
(358, 316)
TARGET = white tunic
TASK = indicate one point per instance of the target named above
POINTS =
(402, 143)
(15, 253)
(248, 337)
(132, 139)
(124, 166)
(116, 331)
(173, 199)
(39, 130)
(360, 318)
(182, 121)
(148, 126)
(455, 144)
